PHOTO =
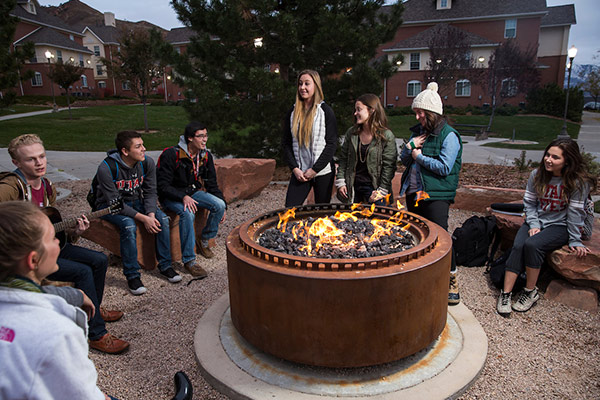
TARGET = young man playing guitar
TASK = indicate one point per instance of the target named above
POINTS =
(85, 267)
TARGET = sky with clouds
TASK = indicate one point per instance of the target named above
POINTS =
(584, 35)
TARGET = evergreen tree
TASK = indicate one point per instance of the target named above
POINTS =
(242, 64)
(66, 74)
(11, 61)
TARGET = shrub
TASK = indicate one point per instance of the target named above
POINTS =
(507, 110)
(522, 163)
(392, 112)
(550, 100)
(592, 165)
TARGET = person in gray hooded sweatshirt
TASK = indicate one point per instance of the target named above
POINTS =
(129, 174)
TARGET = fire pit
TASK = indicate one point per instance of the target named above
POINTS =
(339, 312)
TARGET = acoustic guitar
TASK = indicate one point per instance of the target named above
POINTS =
(61, 225)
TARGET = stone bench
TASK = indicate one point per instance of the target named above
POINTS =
(107, 235)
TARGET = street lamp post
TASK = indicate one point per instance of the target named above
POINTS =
(571, 54)
(49, 56)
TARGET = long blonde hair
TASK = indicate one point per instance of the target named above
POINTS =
(302, 122)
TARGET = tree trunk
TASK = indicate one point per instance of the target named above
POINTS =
(145, 114)
(69, 104)
(489, 127)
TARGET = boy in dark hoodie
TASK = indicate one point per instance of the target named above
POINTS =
(134, 180)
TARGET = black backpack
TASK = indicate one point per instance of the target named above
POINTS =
(497, 268)
(471, 241)
(92, 195)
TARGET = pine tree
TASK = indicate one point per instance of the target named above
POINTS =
(242, 64)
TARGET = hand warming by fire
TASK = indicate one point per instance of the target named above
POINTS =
(352, 234)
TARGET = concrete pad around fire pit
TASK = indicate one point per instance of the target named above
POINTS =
(237, 369)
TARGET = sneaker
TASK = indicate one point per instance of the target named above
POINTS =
(171, 275)
(109, 344)
(526, 300)
(453, 295)
(206, 252)
(136, 287)
(503, 306)
(110, 315)
(193, 268)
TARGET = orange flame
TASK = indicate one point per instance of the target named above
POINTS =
(285, 217)
(421, 195)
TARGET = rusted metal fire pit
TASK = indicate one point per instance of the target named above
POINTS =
(339, 312)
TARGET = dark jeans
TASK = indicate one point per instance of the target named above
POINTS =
(298, 191)
(435, 211)
(530, 251)
(87, 269)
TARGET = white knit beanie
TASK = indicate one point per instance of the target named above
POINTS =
(429, 99)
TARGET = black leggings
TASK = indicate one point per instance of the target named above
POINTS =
(298, 191)
(435, 211)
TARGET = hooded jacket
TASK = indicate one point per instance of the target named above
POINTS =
(175, 174)
(130, 183)
(13, 186)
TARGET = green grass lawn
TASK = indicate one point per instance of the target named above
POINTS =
(94, 128)
(534, 128)
(21, 108)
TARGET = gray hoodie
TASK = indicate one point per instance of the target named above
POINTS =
(130, 184)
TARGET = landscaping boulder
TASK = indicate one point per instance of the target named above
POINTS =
(243, 178)
(572, 296)
(479, 198)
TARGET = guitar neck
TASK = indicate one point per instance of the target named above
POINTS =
(71, 222)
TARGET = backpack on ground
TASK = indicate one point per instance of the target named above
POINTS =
(471, 241)
(497, 268)
(112, 164)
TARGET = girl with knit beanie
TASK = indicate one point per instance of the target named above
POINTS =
(433, 158)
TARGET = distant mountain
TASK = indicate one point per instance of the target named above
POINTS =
(579, 73)
(79, 15)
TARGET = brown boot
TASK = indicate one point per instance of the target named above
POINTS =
(109, 344)
(206, 252)
(193, 268)
(110, 315)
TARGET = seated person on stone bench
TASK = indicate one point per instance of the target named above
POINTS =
(84, 267)
(187, 180)
(554, 214)
(129, 174)
(43, 349)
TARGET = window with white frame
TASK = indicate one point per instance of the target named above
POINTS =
(509, 87)
(59, 56)
(510, 28)
(81, 64)
(37, 79)
(84, 81)
(97, 51)
(178, 50)
(463, 88)
(413, 88)
(101, 85)
(415, 61)
(72, 37)
(125, 85)
(443, 4)
(99, 70)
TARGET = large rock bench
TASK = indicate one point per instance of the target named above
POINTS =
(238, 178)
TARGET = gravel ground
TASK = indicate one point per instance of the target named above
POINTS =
(550, 352)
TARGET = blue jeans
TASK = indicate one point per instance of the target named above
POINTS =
(128, 244)
(216, 208)
(87, 269)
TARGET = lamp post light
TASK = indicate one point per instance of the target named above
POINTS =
(571, 54)
(48, 57)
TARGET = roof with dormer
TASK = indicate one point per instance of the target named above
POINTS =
(42, 18)
(50, 37)
(106, 34)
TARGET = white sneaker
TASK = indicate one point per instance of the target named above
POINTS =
(503, 306)
(526, 300)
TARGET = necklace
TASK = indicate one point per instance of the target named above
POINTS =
(360, 157)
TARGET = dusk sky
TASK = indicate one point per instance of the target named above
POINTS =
(584, 35)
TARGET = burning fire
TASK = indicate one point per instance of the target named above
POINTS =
(324, 232)
(421, 195)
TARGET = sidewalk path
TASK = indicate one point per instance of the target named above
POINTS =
(31, 114)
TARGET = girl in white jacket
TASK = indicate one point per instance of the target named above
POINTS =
(43, 345)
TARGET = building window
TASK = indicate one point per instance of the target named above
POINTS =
(415, 61)
(84, 81)
(81, 64)
(443, 4)
(102, 85)
(510, 28)
(125, 85)
(463, 88)
(72, 37)
(37, 79)
(178, 50)
(509, 87)
(99, 69)
(59, 56)
(97, 51)
(413, 88)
